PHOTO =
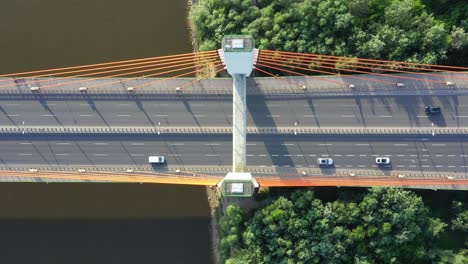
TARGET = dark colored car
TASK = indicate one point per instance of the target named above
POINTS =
(430, 110)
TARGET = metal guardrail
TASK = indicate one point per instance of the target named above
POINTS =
(228, 130)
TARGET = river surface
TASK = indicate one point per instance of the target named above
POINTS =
(41, 34)
(97, 223)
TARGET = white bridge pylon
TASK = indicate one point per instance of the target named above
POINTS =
(239, 55)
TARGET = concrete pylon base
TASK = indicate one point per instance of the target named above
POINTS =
(238, 184)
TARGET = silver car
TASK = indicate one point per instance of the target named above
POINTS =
(325, 161)
(382, 160)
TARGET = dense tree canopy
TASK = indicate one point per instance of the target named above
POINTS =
(382, 29)
(385, 226)
(460, 221)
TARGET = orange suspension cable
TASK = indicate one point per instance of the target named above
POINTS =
(99, 64)
(197, 80)
(350, 76)
(280, 63)
(380, 74)
(347, 59)
(144, 76)
(125, 69)
(118, 177)
(365, 67)
(280, 77)
(313, 77)
(389, 61)
(308, 76)
(117, 66)
(117, 75)
(174, 77)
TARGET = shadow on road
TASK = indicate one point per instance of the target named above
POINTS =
(259, 104)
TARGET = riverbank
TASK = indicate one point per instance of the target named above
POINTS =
(214, 200)
(218, 205)
(190, 3)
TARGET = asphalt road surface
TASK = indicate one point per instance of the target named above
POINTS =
(414, 153)
(399, 111)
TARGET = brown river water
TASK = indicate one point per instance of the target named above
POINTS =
(97, 223)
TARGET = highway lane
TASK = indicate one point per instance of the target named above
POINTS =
(413, 153)
(380, 111)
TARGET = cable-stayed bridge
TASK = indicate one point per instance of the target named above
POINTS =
(101, 122)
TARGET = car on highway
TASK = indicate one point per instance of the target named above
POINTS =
(156, 159)
(431, 110)
(324, 161)
(382, 160)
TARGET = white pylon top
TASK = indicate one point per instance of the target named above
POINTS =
(238, 54)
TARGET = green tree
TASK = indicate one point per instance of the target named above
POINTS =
(460, 222)
(230, 230)
(402, 30)
(385, 226)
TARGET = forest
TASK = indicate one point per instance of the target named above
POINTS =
(379, 225)
(422, 31)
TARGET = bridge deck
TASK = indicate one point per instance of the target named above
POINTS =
(272, 103)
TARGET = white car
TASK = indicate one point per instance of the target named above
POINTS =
(325, 161)
(382, 160)
(156, 159)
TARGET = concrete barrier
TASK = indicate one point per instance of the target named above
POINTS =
(228, 130)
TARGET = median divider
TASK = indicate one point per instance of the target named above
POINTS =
(228, 130)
